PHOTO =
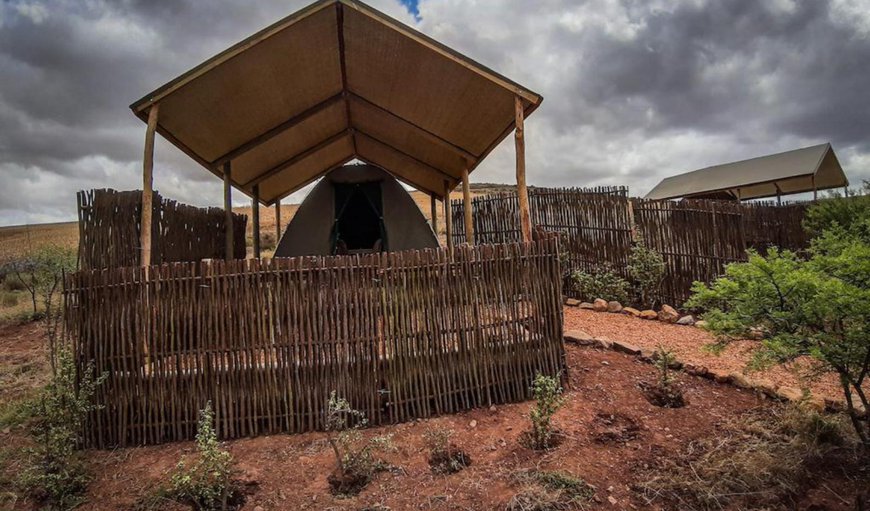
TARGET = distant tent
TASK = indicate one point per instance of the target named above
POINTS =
(356, 209)
(803, 170)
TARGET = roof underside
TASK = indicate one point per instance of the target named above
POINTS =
(801, 170)
(335, 81)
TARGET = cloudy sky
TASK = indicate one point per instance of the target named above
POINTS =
(635, 90)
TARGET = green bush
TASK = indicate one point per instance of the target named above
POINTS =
(818, 307)
(602, 283)
(646, 268)
(547, 393)
(444, 457)
(850, 212)
(205, 484)
(355, 456)
(664, 392)
(57, 475)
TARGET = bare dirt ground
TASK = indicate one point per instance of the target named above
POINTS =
(687, 344)
(611, 434)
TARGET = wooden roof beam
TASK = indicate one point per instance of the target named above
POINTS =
(398, 176)
(428, 135)
(297, 158)
(277, 130)
(308, 181)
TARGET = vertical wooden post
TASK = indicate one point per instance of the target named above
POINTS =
(466, 207)
(522, 191)
(147, 188)
(277, 221)
(448, 217)
(433, 213)
(815, 191)
(255, 214)
(228, 209)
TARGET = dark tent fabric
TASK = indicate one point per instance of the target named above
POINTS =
(353, 209)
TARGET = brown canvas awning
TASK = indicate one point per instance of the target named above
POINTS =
(802, 170)
(335, 81)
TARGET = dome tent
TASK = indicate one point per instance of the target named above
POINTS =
(356, 209)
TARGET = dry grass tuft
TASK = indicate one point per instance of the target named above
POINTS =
(762, 459)
(544, 490)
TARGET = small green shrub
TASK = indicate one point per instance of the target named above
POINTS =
(444, 457)
(547, 393)
(355, 456)
(664, 391)
(646, 268)
(602, 283)
(205, 484)
(57, 474)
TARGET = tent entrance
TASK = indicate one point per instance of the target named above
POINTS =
(359, 222)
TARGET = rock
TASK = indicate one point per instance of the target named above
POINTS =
(720, 377)
(579, 337)
(740, 380)
(631, 311)
(757, 333)
(668, 314)
(766, 387)
(605, 363)
(493, 409)
(604, 343)
(696, 370)
(599, 305)
(259, 508)
(686, 321)
(586, 306)
(612, 500)
(649, 314)
(790, 394)
(701, 324)
(472, 424)
(625, 347)
(572, 302)
(614, 306)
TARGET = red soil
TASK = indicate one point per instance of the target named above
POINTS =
(687, 344)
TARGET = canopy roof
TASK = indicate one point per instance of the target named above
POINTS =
(801, 170)
(335, 81)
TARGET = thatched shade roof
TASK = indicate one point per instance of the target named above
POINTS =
(802, 170)
(335, 81)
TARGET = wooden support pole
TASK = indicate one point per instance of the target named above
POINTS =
(448, 217)
(277, 221)
(815, 190)
(522, 191)
(255, 214)
(466, 207)
(433, 213)
(228, 209)
(147, 188)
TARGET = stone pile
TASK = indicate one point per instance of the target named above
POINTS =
(666, 314)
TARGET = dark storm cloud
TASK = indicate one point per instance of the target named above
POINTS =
(635, 90)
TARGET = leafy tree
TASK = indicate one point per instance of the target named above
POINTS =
(41, 273)
(602, 283)
(819, 307)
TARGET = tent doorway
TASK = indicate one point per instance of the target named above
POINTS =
(359, 221)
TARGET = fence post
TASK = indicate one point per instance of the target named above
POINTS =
(147, 187)
(448, 215)
(466, 205)
(278, 221)
(228, 210)
(255, 214)
(433, 213)
(522, 191)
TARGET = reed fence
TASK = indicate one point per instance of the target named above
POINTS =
(401, 335)
(767, 224)
(598, 227)
(109, 226)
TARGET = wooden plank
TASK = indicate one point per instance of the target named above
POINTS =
(277, 221)
(522, 190)
(147, 187)
(433, 213)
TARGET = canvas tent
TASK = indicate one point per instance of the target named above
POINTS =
(333, 82)
(803, 170)
(356, 209)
